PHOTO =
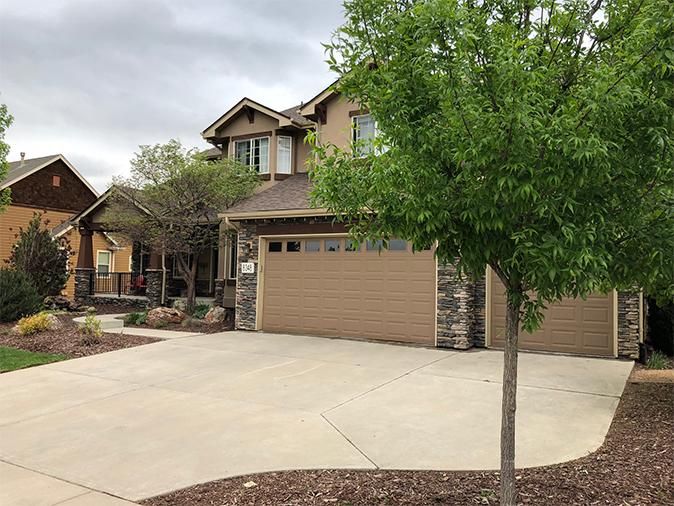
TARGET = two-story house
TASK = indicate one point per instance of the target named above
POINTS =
(295, 271)
(52, 186)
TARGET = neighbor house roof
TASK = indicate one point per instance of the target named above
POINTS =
(289, 117)
(285, 198)
(21, 169)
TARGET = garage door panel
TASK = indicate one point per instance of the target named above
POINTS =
(389, 296)
(570, 326)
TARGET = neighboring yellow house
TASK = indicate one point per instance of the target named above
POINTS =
(51, 186)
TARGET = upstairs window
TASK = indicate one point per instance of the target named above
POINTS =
(254, 153)
(56, 181)
(364, 132)
(284, 154)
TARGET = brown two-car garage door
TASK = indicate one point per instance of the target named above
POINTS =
(572, 326)
(328, 286)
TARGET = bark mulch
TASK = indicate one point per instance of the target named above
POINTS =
(68, 341)
(635, 466)
(190, 325)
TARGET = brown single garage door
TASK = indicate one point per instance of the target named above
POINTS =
(572, 326)
(325, 286)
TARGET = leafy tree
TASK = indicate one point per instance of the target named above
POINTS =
(534, 137)
(171, 202)
(5, 121)
(41, 257)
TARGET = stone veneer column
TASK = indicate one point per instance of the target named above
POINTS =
(219, 292)
(628, 325)
(83, 288)
(246, 284)
(454, 309)
(154, 279)
(478, 330)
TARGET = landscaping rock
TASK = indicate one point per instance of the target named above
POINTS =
(179, 305)
(54, 322)
(216, 314)
(164, 315)
(60, 303)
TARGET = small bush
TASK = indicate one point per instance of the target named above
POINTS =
(137, 318)
(29, 325)
(657, 360)
(200, 311)
(160, 324)
(91, 330)
(18, 296)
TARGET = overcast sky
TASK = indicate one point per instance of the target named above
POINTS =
(93, 79)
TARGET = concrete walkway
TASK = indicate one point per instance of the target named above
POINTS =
(143, 421)
(114, 324)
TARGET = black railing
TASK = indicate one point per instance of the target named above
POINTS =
(118, 283)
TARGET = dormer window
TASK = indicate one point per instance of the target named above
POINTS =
(364, 132)
(254, 153)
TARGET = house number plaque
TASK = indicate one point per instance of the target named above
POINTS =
(247, 268)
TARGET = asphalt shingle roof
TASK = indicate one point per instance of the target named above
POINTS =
(289, 194)
(294, 114)
(20, 168)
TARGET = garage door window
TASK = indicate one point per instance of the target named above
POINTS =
(332, 245)
(374, 245)
(397, 245)
(351, 245)
(275, 247)
(312, 246)
(293, 246)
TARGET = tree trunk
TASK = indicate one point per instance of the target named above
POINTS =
(191, 281)
(509, 405)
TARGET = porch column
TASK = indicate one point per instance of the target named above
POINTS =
(223, 242)
(156, 280)
(84, 270)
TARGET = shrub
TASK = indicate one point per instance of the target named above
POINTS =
(91, 330)
(18, 296)
(200, 311)
(657, 360)
(43, 258)
(29, 325)
(137, 318)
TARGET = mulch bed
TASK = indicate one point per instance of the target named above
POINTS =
(67, 340)
(635, 466)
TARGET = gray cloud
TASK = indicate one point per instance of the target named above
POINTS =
(94, 79)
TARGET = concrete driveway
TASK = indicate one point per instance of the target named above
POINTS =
(143, 421)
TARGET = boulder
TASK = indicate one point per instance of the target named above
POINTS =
(54, 322)
(179, 305)
(165, 315)
(216, 314)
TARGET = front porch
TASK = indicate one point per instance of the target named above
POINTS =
(150, 278)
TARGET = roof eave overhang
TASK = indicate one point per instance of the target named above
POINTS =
(275, 213)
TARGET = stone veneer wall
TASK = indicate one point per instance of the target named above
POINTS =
(628, 325)
(460, 310)
(246, 284)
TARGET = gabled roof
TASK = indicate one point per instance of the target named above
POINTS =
(289, 117)
(75, 219)
(309, 109)
(23, 168)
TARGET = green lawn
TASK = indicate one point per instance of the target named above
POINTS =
(12, 359)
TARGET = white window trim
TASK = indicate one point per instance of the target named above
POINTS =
(111, 259)
(354, 131)
(249, 141)
(278, 152)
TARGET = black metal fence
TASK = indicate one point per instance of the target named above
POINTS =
(118, 283)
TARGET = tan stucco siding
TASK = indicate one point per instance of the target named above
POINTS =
(337, 130)
(302, 153)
